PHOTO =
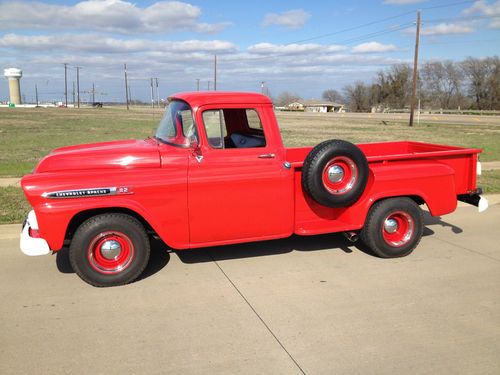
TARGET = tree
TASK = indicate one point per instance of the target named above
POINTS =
(332, 96)
(494, 82)
(442, 84)
(286, 98)
(477, 73)
(358, 97)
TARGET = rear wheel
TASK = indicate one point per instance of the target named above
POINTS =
(393, 227)
(109, 250)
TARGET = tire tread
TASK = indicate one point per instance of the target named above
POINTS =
(81, 233)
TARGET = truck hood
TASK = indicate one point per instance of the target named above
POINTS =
(104, 155)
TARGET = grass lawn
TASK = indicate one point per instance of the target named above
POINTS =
(26, 135)
(13, 205)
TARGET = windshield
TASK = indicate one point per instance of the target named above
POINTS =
(177, 126)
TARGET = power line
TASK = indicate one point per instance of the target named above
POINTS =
(448, 5)
(464, 41)
(349, 41)
(461, 18)
(352, 28)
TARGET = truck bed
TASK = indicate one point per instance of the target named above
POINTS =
(393, 165)
(462, 160)
(385, 151)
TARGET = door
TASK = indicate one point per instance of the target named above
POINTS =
(238, 187)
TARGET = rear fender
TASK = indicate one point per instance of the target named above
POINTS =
(433, 183)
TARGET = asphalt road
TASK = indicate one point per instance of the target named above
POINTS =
(434, 118)
(315, 305)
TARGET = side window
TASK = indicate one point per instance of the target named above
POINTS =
(188, 126)
(215, 127)
(253, 119)
(234, 128)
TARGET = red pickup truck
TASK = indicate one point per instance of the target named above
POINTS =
(216, 173)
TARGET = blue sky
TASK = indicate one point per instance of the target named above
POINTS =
(298, 46)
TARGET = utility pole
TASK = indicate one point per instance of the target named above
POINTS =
(157, 93)
(129, 95)
(73, 94)
(78, 85)
(126, 85)
(36, 94)
(415, 66)
(152, 95)
(197, 84)
(208, 86)
(215, 72)
(262, 86)
(93, 93)
(66, 84)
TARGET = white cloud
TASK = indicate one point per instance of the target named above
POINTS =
(94, 43)
(403, 2)
(293, 49)
(292, 19)
(115, 16)
(446, 29)
(372, 47)
(484, 8)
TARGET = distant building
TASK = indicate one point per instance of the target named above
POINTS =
(313, 105)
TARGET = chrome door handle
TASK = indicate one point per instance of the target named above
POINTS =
(267, 156)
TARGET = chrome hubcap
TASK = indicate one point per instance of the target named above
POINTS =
(111, 249)
(335, 173)
(390, 225)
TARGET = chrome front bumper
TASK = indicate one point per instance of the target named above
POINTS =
(30, 245)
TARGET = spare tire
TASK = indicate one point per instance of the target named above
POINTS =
(335, 173)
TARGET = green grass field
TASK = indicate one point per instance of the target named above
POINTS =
(26, 135)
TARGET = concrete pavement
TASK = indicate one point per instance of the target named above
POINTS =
(315, 305)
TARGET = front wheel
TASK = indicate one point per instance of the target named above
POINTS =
(393, 227)
(109, 250)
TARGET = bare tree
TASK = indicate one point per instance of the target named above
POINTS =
(358, 97)
(442, 84)
(494, 82)
(286, 98)
(332, 96)
(476, 71)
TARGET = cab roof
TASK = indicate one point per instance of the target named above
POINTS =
(199, 98)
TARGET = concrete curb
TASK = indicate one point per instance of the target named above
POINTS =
(10, 181)
(490, 165)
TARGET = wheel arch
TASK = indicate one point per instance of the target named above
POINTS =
(81, 216)
(417, 198)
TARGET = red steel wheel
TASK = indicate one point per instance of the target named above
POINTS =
(393, 227)
(109, 249)
(110, 252)
(398, 228)
(340, 175)
(335, 173)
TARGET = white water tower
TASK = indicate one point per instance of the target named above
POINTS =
(14, 76)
